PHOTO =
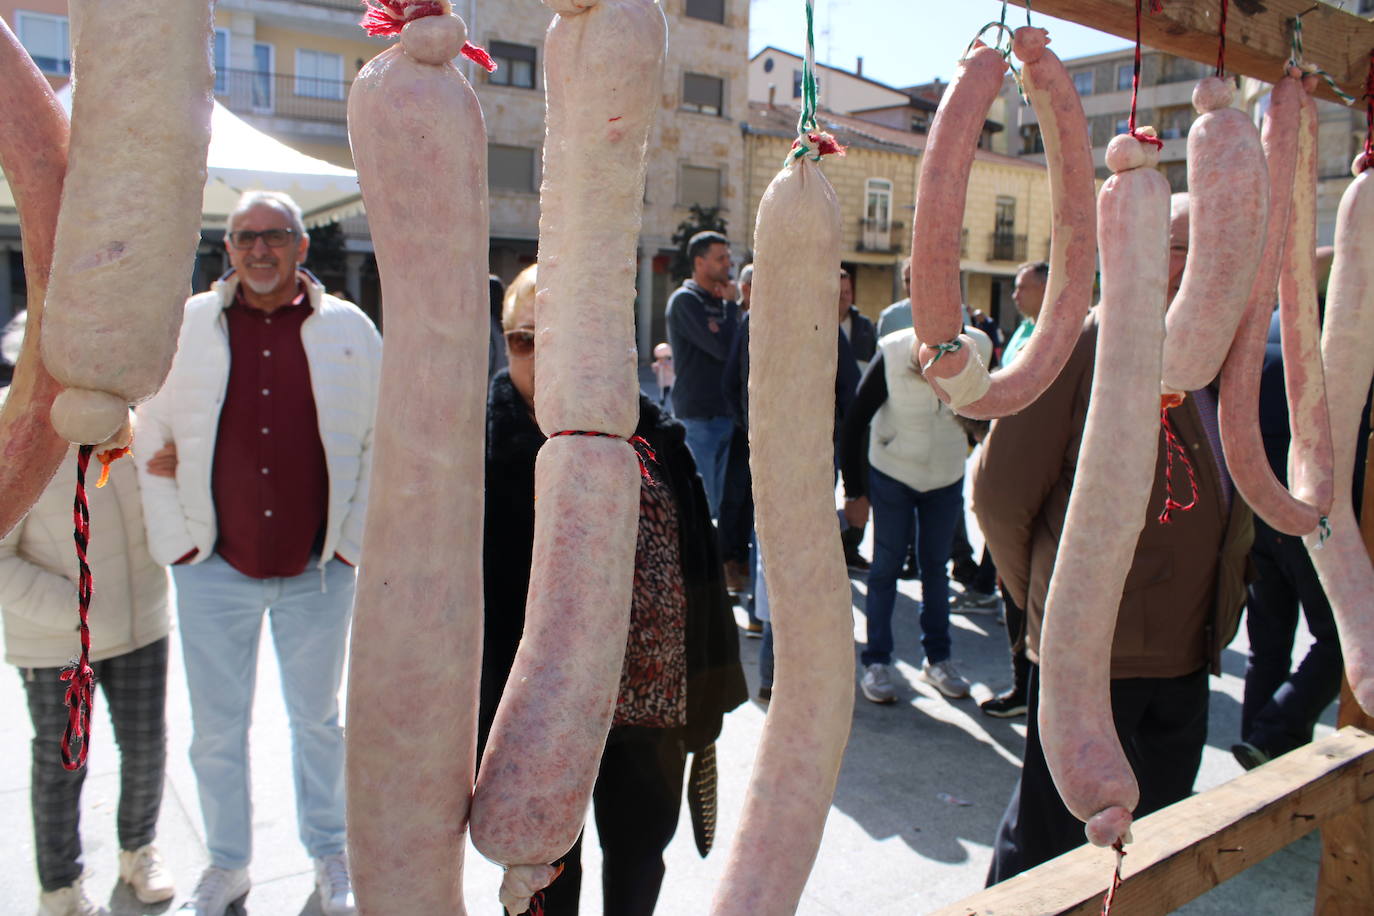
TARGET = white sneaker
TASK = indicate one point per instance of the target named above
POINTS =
(143, 870)
(944, 677)
(335, 886)
(216, 890)
(877, 684)
(69, 901)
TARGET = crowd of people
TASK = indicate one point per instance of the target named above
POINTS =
(250, 486)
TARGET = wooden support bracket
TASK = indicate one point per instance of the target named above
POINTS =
(1258, 34)
(1189, 848)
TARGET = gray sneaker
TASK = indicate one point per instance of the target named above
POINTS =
(218, 889)
(944, 677)
(71, 900)
(876, 684)
(971, 600)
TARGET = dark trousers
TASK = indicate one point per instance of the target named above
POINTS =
(737, 501)
(135, 688)
(1280, 708)
(1016, 641)
(981, 576)
(1162, 724)
(636, 802)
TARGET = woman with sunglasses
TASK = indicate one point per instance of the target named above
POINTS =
(682, 671)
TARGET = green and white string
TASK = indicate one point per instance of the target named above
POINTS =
(941, 349)
(1004, 31)
(1296, 61)
(806, 124)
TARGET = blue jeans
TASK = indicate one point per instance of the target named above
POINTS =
(934, 514)
(708, 439)
(221, 612)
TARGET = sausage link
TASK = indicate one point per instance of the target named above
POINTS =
(791, 397)
(1069, 288)
(33, 156)
(1228, 201)
(417, 626)
(1110, 500)
(1238, 405)
(130, 221)
(1309, 453)
(1343, 563)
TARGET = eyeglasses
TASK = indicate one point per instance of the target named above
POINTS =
(275, 238)
(520, 343)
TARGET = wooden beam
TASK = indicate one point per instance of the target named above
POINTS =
(1258, 34)
(1189, 848)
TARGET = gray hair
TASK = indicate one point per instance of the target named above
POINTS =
(251, 199)
(12, 338)
(746, 275)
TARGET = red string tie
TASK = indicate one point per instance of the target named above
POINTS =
(1110, 896)
(1155, 7)
(388, 17)
(643, 451)
(78, 674)
(1173, 446)
(1369, 112)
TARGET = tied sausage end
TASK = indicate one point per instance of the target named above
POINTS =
(1109, 827)
(88, 417)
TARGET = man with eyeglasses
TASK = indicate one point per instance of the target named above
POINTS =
(256, 498)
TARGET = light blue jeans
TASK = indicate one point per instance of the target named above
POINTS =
(708, 439)
(220, 612)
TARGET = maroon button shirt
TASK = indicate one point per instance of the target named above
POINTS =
(270, 482)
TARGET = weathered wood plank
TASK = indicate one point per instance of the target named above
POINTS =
(1189, 848)
(1258, 34)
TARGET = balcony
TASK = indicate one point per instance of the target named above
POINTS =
(1006, 247)
(283, 95)
(881, 236)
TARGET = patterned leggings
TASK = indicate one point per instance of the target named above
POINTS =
(135, 687)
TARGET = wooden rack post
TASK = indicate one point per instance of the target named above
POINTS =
(1258, 34)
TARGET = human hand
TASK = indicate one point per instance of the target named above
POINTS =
(164, 461)
(856, 511)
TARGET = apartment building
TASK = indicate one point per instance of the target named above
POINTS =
(1103, 82)
(1006, 219)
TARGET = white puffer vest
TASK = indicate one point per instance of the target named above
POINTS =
(915, 438)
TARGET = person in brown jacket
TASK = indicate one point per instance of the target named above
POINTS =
(1180, 607)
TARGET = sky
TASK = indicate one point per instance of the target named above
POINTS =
(903, 42)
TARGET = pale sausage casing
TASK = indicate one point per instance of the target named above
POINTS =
(791, 397)
(130, 220)
(420, 148)
(603, 69)
(33, 156)
(1110, 500)
(1238, 405)
(1228, 200)
(1342, 563)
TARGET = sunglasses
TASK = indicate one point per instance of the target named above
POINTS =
(275, 238)
(520, 343)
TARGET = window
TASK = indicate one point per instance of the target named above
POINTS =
(1122, 125)
(878, 203)
(1031, 139)
(703, 93)
(1083, 82)
(1004, 222)
(768, 65)
(1125, 75)
(264, 62)
(710, 10)
(699, 185)
(797, 84)
(514, 65)
(47, 40)
(319, 74)
(221, 61)
(510, 168)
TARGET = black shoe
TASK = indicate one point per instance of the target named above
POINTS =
(855, 562)
(911, 573)
(1248, 756)
(1005, 705)
(765, 694)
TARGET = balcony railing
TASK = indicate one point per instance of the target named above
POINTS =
(286, 95)
(1007, 247)
(880, 235)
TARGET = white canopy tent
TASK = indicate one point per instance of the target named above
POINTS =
(243, 158)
